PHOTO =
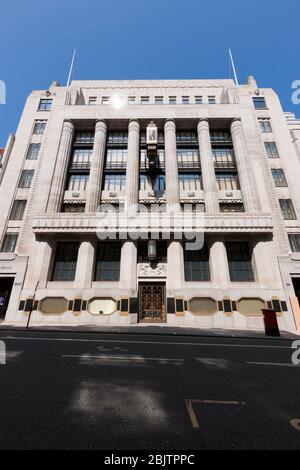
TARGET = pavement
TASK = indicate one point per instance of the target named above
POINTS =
(112, 391)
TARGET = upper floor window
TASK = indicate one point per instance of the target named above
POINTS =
(9, 242)
(172, 100)
(231, 207)
(131, 99)
(73, 207)
(114, 182)
(271, 149)
(158, 184)
(18, 209)
(186, 137)
(92, 100)
(39, 127)
(185, 100)
(287, 209)
(259, 103)
(159, 100)
(279, 177)
(65, 261)
(108, 261)
(223, 157)
(145, 99)
(188, 158)
(190, 181)
(116, 158)
(220, 136)
(227, 181)
(77, 182)
(198, 99)
(160, 159)
(105, 100)
(33, 151)
(45, 104)
(239, 262)
(196, 265)
(117, 137)
(86, 137)
(81, 158)
(211, 100)
(294, 239)
(265, 126)
(26, 179)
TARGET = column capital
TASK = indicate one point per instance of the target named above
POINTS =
(169, 124)
(101, 125)
(236, 122)
(133, 124)
(68, 125)
(203, 123)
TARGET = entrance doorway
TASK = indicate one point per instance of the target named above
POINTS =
(6, 285)
(152, 302)
(296, 284)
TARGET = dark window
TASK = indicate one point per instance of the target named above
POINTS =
(198, 99)
(231, 207)
(186, 137)
(160, 159)
(117, 137)
(239, 262)
(211, 100)
(45, 104)
(73, 208)
(259, 103)
(86, 137)
(279, 177)
(26, 178)
(159, 100)
(39, 127)
(77, 182)
(65, 261)
(185, 100)
(9, 242)
(158, 184)
(220, 136)
(33, 151)
(18, 209)
(108, 261)
(294, 239)
(271, 149)
(172, 99)
(287, 209)
(196, 265)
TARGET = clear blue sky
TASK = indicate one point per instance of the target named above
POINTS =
(120, 39)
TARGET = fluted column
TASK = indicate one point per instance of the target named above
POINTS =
(96, 171)
(243, 166)
(133, 166)
(171, 166)
(62, 161)
(85, 265)
(207, 167)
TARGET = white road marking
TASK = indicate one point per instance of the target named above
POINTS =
(283, 364)
(120, 358)
(191, 412)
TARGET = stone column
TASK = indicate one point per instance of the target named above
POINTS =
(133, 166)
(175, 267)
(171, 166)
(128, 268)
(219, 265)
(38, 269)
(244, 168)
(207, 167)
(85, 265)
(61, 166)
(97, 165)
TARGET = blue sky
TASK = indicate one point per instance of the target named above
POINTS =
(131, 39)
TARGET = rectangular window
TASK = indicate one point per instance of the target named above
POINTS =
(73, 208)
(271, 149)
(108, 261)
(239, 262)
(131, 99)
(159, 100)
(116, 158)
(287, 209)
(26, 179)
(188, 158)
(185, 100)
(294, 239)
(45, 104)
(18, 209)
(145, 99)
(9, 242)
(265, 126)
(196, 265)
(259, 103)
(81, 159)
(105, 99)
(189, 137)
(114, 182)
(65, 261)
(223, 158)
(231, 207)
(33, 151)
(117, 137)
(39, 127)
(190, 181)
(198, 99)
(92, 100)
(279, 177)
(86, 137)
(211, 100)
(227, 181)
(160, 159)
(77, 182)
(157, 185)
(172, 99)
(218, 137)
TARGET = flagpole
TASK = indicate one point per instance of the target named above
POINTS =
(233, 68)
(71, 68)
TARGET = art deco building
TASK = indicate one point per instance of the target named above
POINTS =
(226, 156)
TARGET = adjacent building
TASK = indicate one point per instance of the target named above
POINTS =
(225, 156)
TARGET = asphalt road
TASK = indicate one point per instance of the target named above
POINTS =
(130, 392)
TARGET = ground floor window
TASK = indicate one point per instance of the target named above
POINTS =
(239, 262)
(65, 261)
(196, 265)
(108, 261)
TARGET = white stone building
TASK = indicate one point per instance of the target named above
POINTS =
(227, 155)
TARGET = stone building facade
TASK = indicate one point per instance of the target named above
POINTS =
(226, 156)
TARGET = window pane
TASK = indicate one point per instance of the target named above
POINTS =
(77, 182)
(295, 242)
(116, 158)
(188, 158)
(26, 178)
(271, 149)
(196, 265)
(18, 209)
(190, 181)
(279, 177)
(9, 242)
(39, 127)
(239, 262)
(117, 137)
(65, 261)
(114, 182)
(108, 261)
(33, 151)
(259, 103)
(45, 104)
(223, 157)
(227, 181)
(287, 209)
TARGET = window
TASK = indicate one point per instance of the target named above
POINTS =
(185, 100)
(159, 100)
(77, 182)
(33, 151)
(9, 242)
(65, 261)
(211, 100)
(294, 239)
(271, 149)
(223, 157)
(239, 262)
(117, 137)
(116, 158)
(18, 209)
(73, 208)
(39, 127)
(231, 207)
(188, 158)
(160, 159)
(26, 179)
(190, 181)
(259, 103)
(287, 209)
(108, 261)
(172, 99)
(145, 100)
(196, 265)
(186, 137)
(220, 136)
(131, 99)
(86, 137)
(45, 104)
(105, 99)
(114, 182)
(198, 99)
(81, 159)
(157, 185)
(92, 100)
(279, 177)
(227, 181)
(265, 126)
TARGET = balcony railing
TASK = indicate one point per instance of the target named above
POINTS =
(80, 165)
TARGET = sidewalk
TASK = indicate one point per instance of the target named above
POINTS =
(150, 329)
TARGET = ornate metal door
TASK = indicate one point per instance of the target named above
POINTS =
(152, 302)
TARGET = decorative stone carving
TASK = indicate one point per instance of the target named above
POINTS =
(191, 194)
(149, 270)
(113, 194)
